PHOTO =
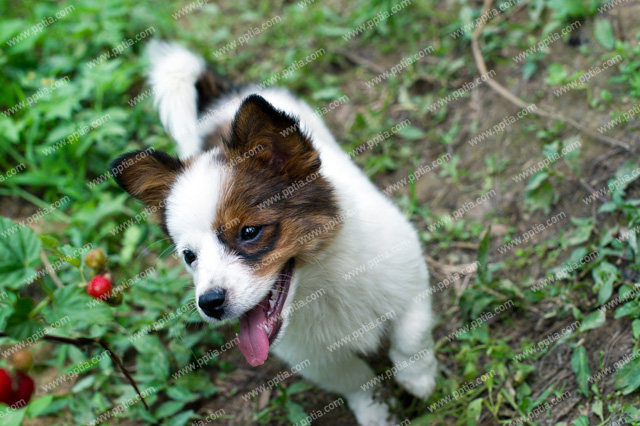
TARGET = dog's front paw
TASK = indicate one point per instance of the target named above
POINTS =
(369, 412)
(375, 415)
(420, 384)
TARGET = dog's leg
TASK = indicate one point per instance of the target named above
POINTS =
(345, 374)
(412, 349)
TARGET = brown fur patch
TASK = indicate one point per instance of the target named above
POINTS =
(216, 138)
(211, 86)
(295, 225)
(148, 176)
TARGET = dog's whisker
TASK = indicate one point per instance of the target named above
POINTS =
(149, 246)
(158, 258)
(168, 249)
(155, 242)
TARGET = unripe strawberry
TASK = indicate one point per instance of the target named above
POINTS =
(115, 300)
(22, 360)
(96, 259)
(26, 387)
(99, 287)
(6, 387)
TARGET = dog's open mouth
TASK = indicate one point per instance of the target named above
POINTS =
(259, 326)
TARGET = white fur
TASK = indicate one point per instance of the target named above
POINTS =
(173, 73)
(373, 225)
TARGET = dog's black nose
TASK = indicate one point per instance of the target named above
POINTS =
(212, 303)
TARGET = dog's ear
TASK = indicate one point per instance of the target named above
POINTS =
(272, 137)
(146, 175)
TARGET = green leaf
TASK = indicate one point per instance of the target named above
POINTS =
(37, 406)
(628, 309)
(537, 180)
(181, 419)
(84, 383)
(571, 156)
(70, 255)
(12, 417)
(19, 326)
(597, 409)
(608, 207)
(550, 150)
(168, 408)
(608, 236)
(603, 32)
(152, 360)
(581, 368)
(73, 302)
(539, 192)
(295, 413)
(582, 420)
(557, 74)
(604, 276)
(632, 412)
(327, 94)
(593, 320)
(543, 396)
(573, 259)
(23, 306)
(582, 232)
(11, 27)
(10, 129)
(635, 325)
(130, 242)
(297, 387)
(49, 242)
(180, 393)
(528, 69)
(198, 383)
(627, 378)
(569, 8)
(19, 252)
(412, 133)
(483, 255)
(473, 412)
(625, 175)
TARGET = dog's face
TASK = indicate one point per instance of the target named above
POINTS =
(244, 217)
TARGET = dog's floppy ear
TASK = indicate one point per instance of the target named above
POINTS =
(266, 134)
(147, 175)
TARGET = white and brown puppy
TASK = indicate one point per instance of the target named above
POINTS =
(267, 210)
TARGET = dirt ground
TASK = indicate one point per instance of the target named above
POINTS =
(485, 108)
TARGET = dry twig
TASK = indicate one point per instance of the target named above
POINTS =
(505, 93)
(50, 270)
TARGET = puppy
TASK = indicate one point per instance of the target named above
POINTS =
(280, 229)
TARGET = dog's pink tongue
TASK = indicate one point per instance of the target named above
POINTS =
(253, 340)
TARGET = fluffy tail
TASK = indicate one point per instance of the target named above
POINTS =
(183, 88)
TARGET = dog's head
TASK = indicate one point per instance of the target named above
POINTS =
(244, 217)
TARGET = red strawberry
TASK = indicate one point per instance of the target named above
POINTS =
(6, 387)
(26, 387)
(99, 287)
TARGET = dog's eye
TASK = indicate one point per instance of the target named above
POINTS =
(250, 232)
(189, 256)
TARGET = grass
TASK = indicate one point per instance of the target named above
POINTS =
(540, 280)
